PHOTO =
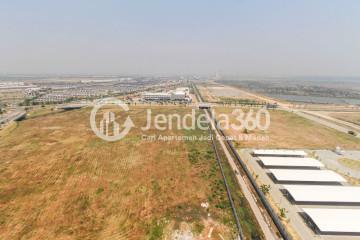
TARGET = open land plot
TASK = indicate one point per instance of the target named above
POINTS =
(37, 111)
(288, 130)
(207, 95)
(227, 94)
(352, 117)
(59, 181)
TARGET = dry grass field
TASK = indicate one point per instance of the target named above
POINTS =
(37, 111)
(288, 130)
(59, 181)
(226, 94)
(207, 95)
(350, 163)
(348, 117)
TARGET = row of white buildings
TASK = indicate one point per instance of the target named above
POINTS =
(179, 94)
(62, 96)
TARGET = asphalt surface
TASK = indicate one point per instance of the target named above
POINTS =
(335, 120)
(322, 121)
(330, 159)
(11, 116)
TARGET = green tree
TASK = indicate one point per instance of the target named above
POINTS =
(282, 212)
(265, 188)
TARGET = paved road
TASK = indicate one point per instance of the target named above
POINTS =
(331, 119)
(323, 121)
(260, 216)
(330, 159)
(11, 116)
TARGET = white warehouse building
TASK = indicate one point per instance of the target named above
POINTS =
(180, 94)
(160, 96)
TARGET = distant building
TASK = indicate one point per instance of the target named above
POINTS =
(180, 94)
(184, 89)
(160, 96)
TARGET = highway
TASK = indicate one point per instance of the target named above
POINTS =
(331, 119)
(333, 123)
(12, 116)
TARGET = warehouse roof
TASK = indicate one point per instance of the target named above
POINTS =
(279, 152)
(329, 194)
(306, 175)
(335, 220)
(290, 162)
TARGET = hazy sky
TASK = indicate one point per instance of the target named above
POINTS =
(271, 37)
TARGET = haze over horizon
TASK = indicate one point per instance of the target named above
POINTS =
(167, 37)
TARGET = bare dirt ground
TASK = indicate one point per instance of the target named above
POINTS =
(288, 130)
(207, 95)
(194, 99)
(218, 92)
(59, 181)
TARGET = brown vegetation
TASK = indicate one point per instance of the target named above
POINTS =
(59, 181)
(288, 130)
(352, 117)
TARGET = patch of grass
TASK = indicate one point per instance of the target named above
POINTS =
(347, 117)
(83, 202)
(8, 129)
(198, 151)
(240, 101)
(99, 190)
(155, 186)
(248, 221)
(198, 227)
(42, 111)
(2, 219)
(156, 230)
(350, 163)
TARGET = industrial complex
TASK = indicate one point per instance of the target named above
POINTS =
(179, 94)
(180, 120)
(328, 204)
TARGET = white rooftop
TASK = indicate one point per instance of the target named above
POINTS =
(279, 152)
(295, 175)
(156, 93)
(315, 193)
(335, 219)
(179, 92)
(290, 162)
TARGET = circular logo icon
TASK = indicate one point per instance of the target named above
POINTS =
(108, 128)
